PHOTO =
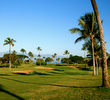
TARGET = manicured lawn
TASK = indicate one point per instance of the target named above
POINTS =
(61, 83)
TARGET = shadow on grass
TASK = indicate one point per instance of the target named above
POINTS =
(58, 70)
(5, 75)
(55, 72)
(51, 84)
(86, 69)
(9, 93)
(75, 73)
(32, 73)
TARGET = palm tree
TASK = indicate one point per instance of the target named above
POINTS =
(58, 59)
(10, 42)
(97, 50)
(14, 52)
(39, 49)
(89, 30)
(83, 48)
(66, 53)
(44, 59)
(31, 56)
(23, 51)
(105, 81)
(55, 55)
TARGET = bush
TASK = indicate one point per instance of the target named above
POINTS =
(19, 61)
(42, 63)
(4, 65)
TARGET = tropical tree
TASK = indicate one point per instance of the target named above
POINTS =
(31, 56)
(89, 30)
(44, 58)
(105, 81)
(83, 48)
(55, 55)
(10, 42)
(39, 49)
(14, 52)
(66, 53)
(58, 59)
(97, 50)
(23, 51)
(48, 59)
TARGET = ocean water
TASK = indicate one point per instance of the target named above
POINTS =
(49, 62)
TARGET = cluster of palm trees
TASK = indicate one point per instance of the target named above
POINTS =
(91, 31)
(10, 41)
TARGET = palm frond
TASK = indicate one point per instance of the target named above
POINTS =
(74, 30)
(79, 39)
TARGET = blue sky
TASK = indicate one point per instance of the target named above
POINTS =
(46, 23)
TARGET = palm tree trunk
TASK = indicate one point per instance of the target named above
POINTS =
(93, 58)
(97, 66)
(105, 81)
(23, 60)
(85, 60)
(39, 58)
(10, 56)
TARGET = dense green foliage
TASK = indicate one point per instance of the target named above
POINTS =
(73, 59)
(6, 58)
(42, 63)
(65, 60)
(48, 59)
(76, 59)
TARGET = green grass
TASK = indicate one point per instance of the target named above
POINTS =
(62, 83)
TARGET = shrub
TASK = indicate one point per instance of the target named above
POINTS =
(19, 61)
(42, 63)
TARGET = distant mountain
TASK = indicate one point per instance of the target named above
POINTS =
(35, 56)
(2, 53)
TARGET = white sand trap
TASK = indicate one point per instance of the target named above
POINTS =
(25, 71)
(44, 68)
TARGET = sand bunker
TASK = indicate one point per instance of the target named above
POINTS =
(44, 68)
(25, 71)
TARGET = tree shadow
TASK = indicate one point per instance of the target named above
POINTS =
(84, 79)
(75, 73)
(12, 94)
(52, 84)
(32, 73)
(5, 75)
(86, 69)
(58, 70)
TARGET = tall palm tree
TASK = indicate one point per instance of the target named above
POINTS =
(66, 53)
(97, 50)
(44, 59)
(31, 56)
(23, 51)
(83, 48)
(58, 59)
(10, 42)
(55, 55)
(105, 81)
(88, 30)
(14, 52)
(39, 49)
